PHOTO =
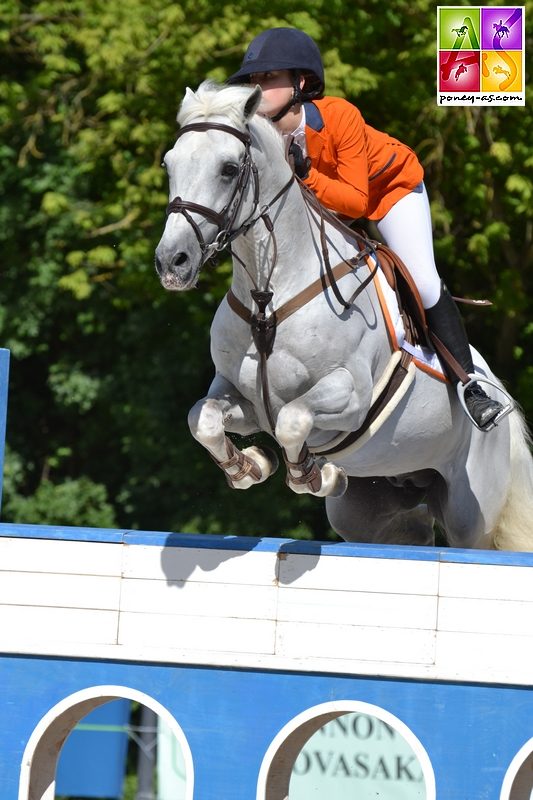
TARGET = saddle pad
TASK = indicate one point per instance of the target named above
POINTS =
(424, 358)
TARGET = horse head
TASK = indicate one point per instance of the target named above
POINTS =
(213, 180)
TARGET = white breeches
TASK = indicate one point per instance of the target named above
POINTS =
(407, 230)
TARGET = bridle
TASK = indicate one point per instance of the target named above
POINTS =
(226, 218)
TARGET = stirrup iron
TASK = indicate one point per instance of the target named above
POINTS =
(462, 387)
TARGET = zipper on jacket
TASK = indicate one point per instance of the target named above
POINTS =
(382, 170)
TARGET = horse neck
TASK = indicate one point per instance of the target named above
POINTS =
(286, 260)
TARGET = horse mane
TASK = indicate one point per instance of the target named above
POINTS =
(215, 100)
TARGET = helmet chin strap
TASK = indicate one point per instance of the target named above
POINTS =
(295, 99)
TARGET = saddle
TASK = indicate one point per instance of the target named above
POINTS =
(407, 295)
(417, 330)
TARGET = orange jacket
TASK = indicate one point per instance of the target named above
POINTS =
(356, 170)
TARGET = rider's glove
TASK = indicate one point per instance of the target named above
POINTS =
(298, 161)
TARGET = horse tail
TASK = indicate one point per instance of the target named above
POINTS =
(514, 529)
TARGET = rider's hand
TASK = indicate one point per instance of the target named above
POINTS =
(298, 161)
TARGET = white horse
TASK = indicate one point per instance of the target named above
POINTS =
(308, 368)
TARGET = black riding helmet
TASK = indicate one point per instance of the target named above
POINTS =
(285, 48)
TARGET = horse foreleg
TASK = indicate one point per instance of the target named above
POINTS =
(331, 404)
(223, 409)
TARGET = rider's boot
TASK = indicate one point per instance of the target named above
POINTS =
(445, 321)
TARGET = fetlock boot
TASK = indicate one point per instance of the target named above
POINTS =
(445, 322)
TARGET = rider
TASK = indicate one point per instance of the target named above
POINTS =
(358, 171)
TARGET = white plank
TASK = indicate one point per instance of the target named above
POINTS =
(392, 576)
(198, 564)
(486, 580)
(39, 624)
(67, 591)
(509, 656)
(486, 616)
(456, 667)
(197, 633)
(301, 640)
(256, 661)
(54, 555)
(357, 608)
(198, 599)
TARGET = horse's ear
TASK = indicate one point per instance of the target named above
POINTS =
(252, 104)
(188, 96)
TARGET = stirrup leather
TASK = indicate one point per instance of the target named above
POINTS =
(462, 387)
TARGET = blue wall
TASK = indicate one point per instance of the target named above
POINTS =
(471, 732)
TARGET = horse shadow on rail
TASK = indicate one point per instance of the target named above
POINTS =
(192, 557)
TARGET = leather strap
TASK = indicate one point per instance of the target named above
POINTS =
(202, 127)
(451, 363)
(311, 475)
(299, 300)
(396, 379)
(236, 458)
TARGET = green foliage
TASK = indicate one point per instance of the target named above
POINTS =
(105, 365)
(72, 502)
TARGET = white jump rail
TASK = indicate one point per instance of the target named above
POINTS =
(438, 614)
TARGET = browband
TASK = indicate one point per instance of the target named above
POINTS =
(244, 136)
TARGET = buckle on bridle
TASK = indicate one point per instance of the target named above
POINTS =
(221, 241)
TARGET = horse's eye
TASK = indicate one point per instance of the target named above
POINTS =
(229, 169)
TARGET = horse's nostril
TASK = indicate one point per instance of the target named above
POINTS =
(179, 260)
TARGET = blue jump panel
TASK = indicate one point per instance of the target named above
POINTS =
(230, 716)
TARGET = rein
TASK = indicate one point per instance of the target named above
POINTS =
(364, 245)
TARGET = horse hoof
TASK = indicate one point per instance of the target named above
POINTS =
(335, 481)
(272, 457)
(265, 458)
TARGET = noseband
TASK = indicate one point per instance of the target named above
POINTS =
(225, 219)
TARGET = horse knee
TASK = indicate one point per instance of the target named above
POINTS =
(206, 422)
(294, 423)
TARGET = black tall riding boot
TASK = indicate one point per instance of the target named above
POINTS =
(445, 321)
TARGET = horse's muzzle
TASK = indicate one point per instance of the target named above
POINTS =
(176, 274)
